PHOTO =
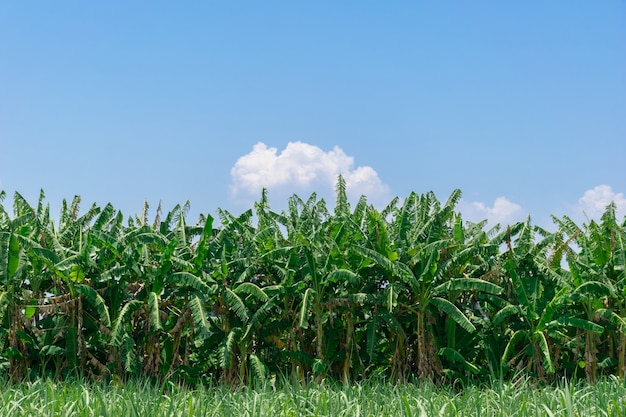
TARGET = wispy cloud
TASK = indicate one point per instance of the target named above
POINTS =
(503, 211)
(594, 201)
(302, 168)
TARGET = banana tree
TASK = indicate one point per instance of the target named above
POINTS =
(311, 265)
(535, 298)
(13, 264)
(67, 263)
(420, 260)
(27, 284)
(474, 287)
(538, 313)
(237, 258)
(318, 280)
(596, 271)
(157, 290)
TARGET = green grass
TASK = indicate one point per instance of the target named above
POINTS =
(47, 398)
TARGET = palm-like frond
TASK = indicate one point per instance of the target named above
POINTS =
(551, 308)
(343, 275)
(468, 284)
(258, 367)
(545, 351)
(342, 207)
(453, 312)
(510, 350)
(251, 289)
(593, 289)
(154, 308)
(199, 315)
(9, 256)
(580, 323)
(505, 312)
(187, 279)
(305, 307)
(395, 268)
(96, 300)
(455, 356)
(236, 304)
(122, 320)
(21, 206)
(228, 346)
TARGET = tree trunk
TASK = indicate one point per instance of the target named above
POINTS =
(425, 367)
(621, 367)
(591, 361)
(319, 333)
(348, 361)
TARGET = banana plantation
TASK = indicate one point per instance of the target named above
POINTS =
(409, 292)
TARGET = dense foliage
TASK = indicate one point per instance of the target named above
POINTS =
(407, 292)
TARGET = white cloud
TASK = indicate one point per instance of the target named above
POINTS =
(302, 168)
(594, 201)
(502, 211)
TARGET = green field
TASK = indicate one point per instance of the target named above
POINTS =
(45, 398)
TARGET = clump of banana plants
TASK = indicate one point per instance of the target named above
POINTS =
(407, 292)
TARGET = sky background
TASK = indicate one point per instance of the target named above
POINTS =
(521, 105)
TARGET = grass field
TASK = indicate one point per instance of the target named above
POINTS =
(47, 398)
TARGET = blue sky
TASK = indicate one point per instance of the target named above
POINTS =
(521, 105)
